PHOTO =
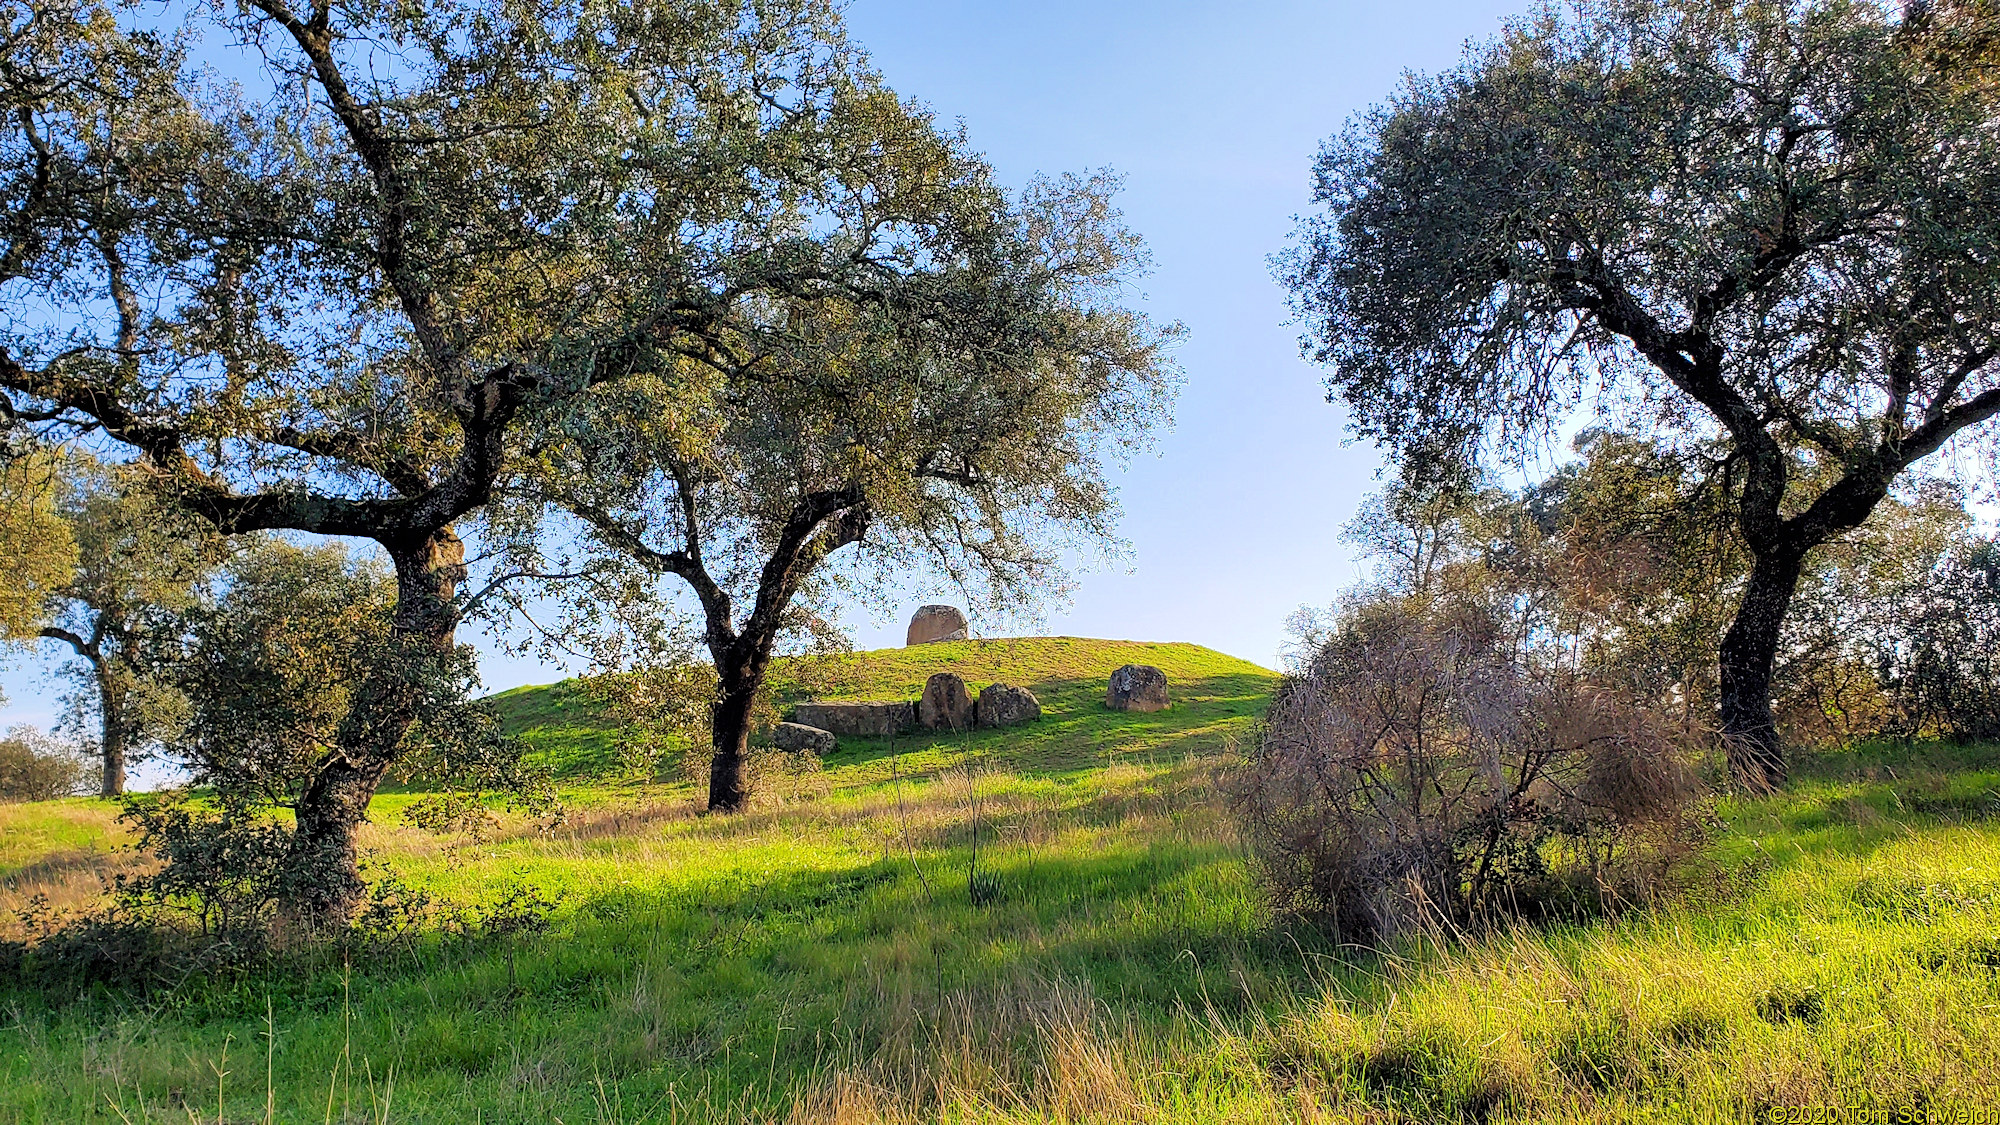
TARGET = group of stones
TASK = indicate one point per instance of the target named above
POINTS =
(947, 704)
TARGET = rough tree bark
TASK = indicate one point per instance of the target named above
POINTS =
(1748, 653)
(818, 524)
(728, 788)
(114, 731)
(429, 569)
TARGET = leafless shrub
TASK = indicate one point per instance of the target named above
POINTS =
(1427, 765)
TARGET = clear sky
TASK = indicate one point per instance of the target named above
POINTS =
(1212, 112)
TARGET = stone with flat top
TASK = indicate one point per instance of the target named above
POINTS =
(871, 719)
(799, 738)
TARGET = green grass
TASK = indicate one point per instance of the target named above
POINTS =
(822, 959)
(560, 728)
(1213, 695)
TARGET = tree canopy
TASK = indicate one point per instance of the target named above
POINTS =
(361, 298)
(1771, 226)
(970, 445)
(36, 547)
(139, 566)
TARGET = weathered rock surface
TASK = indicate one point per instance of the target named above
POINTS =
(1137, 687)
(946, 704)
(1003, 705)
(858, 720)
(934, 623)
(799, 738)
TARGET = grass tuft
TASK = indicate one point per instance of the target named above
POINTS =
(832, 958)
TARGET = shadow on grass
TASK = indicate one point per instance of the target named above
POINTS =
(64, 865)
(1853, 801)
(1077, 731)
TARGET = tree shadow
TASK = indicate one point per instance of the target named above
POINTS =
(1077, 731)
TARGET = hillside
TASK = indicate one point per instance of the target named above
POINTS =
(1057, 923)
(1212, 694)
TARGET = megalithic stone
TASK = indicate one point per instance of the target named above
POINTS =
(934, 623)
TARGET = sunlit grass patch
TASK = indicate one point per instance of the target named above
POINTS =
(828, 959)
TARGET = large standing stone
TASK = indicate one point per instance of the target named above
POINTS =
(798, 737)
(1137, 687)
(934, 623)
(946, 704)
(858, 720)
(1003, 705)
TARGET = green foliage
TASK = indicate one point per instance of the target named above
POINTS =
(224, 870)
(1633, 552)
(1959, 40)
(660, 713)
(1759, 232)
(451, 813)
(35, 767)
(272, 663)
(36, 549)
(211, 905)
(1627, 555)
(1945, 674)
(397, 303)
(141, 566)
(970, 444)
(825, 958)
(1887, 636)
(1601, 186)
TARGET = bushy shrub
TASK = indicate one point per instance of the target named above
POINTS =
(214, 902)
(225, 872)
(218, 906)
(1944, 675)
(1897, 636)
(34, 767)
(1425, 764)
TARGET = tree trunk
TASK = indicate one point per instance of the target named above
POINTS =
(335, 801)
(728, 788)
(1749, 649)
(111, 732)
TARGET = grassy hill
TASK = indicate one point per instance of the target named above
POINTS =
(825, 958)
(1212, 694)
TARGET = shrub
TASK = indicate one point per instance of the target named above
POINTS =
(219, 902)
(1895, 638)
(1424, 764)
(214, 902)
(34, 767)
(1944, 673)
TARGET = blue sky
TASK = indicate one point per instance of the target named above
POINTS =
(1212, 113)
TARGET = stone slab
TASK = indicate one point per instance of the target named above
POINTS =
(872, 719)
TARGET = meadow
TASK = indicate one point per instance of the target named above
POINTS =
(1053, 922)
